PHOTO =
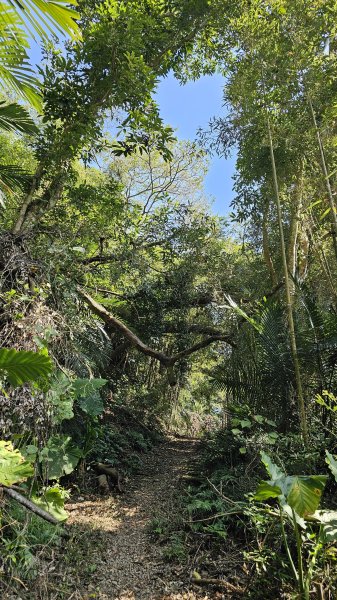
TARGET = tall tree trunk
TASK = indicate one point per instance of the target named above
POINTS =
(290, 316)
(318, 247)
(29, 199)
(292, 254)
(265, 244)
(33, 209)
(333, 215)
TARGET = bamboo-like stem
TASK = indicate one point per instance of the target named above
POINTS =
(294, 226)
(301, 583)
(318, 246)
(333, 214)
(290, 317)
(317, 549)
(265, 245)
(286, 545)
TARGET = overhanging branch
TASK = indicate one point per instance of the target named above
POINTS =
(164, 359)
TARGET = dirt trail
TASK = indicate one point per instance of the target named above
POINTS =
(127, 563)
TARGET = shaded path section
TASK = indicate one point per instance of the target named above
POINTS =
(128, 564)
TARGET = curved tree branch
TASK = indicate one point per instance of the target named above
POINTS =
(164, 359)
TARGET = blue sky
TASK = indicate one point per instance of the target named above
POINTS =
(187, 108)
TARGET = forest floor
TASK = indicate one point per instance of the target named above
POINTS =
(118, 546)
(126, 562)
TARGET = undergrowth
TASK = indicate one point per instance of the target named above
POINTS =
(220, 509)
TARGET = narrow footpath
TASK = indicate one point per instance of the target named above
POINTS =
(127, 563)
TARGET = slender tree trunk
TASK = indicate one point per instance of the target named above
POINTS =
(265, 244)
(333, 215)
(28, 201)
(318, 247)
(291, 326)
(294, 230)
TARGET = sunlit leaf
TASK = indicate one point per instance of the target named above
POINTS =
(13, 466)
(305, 493)
(266, 490)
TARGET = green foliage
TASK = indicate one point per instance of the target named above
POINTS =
(25, 535)
(302, 493)
(121, 445)
(13, 467)
(14, 117)
(299, 498)
(51, 499)
(18, 18)
(21, 366)
(61, 398)
(59, 457)
(136, 231)
(176, 549)
(89, 399)
(332, 464)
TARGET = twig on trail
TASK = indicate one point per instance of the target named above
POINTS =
(229, 500)
(220, 494)
(221, 583)
(217, 516)
(20, 582)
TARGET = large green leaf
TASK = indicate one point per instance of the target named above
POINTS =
(59, 457)
(13, 178)
(16, 73)
(272, 469)
(302, 493)
(92, 405)
(85, 387)
(21, 366)
(305, 493)
(61, 397)
(266, 490)
(232, 304)
(52, 500)
(332, 464)
(89, 399)
(47, 15)
(19, 21)
(13, 467)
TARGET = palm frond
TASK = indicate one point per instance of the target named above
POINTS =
(16, 73)
(19, 20)
(14, 117)
(13, 178)
(43, 16)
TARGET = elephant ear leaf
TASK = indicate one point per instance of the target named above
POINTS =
(273, 470)
(13, 467)
(21, 366)
(305, 493)
(267, 490)
(332, 464)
